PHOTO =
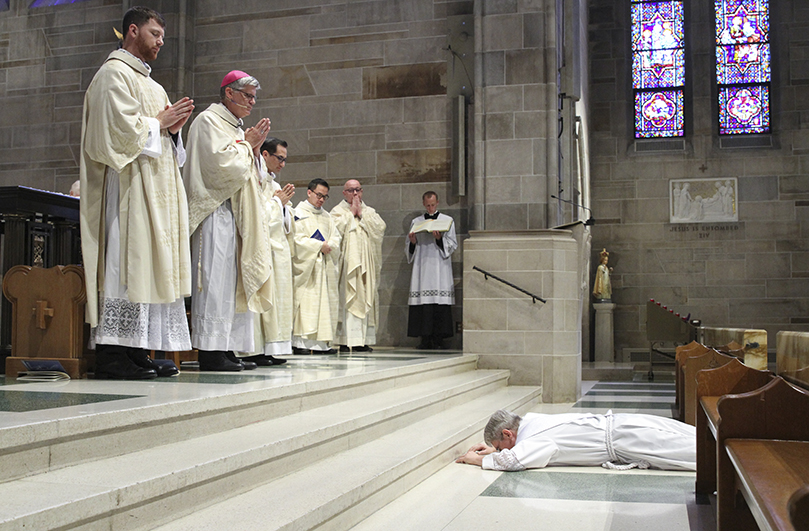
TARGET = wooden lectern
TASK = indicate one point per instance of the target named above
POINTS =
(47, 317)
(39, 228)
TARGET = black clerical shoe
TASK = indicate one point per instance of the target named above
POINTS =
(300, 351)
(260, 360)
(344, 348)
(166, 368)
(163, 368)
(276, 361)
(112, 363)
(246, 364)
(217, 360)
(364, 348)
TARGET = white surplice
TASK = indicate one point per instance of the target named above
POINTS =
(431, 281)
(156, 326)
(611, 440)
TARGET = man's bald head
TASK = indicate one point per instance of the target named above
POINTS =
(352, 187)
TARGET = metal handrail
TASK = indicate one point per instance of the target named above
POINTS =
(506, 282)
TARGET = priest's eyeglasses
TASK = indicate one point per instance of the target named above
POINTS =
(280, 158)
(353, 190)
(321, 196)
(250, 97)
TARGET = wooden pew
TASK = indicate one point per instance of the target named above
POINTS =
(767, 475)
(753, 353)
(732, 378)
(681, 354)
(710, 360)
(799, 508)
(766, 472)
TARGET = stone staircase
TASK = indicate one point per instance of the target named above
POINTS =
(315, 455)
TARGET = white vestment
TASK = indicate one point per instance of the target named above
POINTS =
(274, 327)
(360, 268)
(574, 439)
(231, 243)
(133, 212)
(431, 281)
(215, 323)
(315, 278)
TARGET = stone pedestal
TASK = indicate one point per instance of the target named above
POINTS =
(540, 343)
(604, 344)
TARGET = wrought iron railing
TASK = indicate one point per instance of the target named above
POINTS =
(507, 283)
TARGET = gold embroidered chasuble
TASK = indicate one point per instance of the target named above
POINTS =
(361, 264)
(153, 216)
(220, 165)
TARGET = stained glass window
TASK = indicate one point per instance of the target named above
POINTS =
(658, 67)
(743, 66)
(3, 5)
(45, 3)
(659, 113)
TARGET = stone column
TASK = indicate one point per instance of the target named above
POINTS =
(605, 346)
(538, 342)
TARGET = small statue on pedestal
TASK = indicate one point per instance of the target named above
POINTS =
(602, 289)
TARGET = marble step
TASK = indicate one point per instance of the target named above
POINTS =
(343, 489)
(29, 449)
(155, 483)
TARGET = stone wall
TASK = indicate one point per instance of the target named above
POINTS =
(515, 116)
(538, 340)
(357, 89)
(753, 273)
(48, 57)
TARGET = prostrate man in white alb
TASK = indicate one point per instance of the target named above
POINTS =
(134, 217)
(432, 289)
(230, 246)
(273, 328)
(619, 441)
(315, 263)
(361, 231)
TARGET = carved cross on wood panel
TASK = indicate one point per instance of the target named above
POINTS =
(41, 311)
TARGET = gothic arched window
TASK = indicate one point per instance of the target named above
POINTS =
(658, 68)
(743, 66)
